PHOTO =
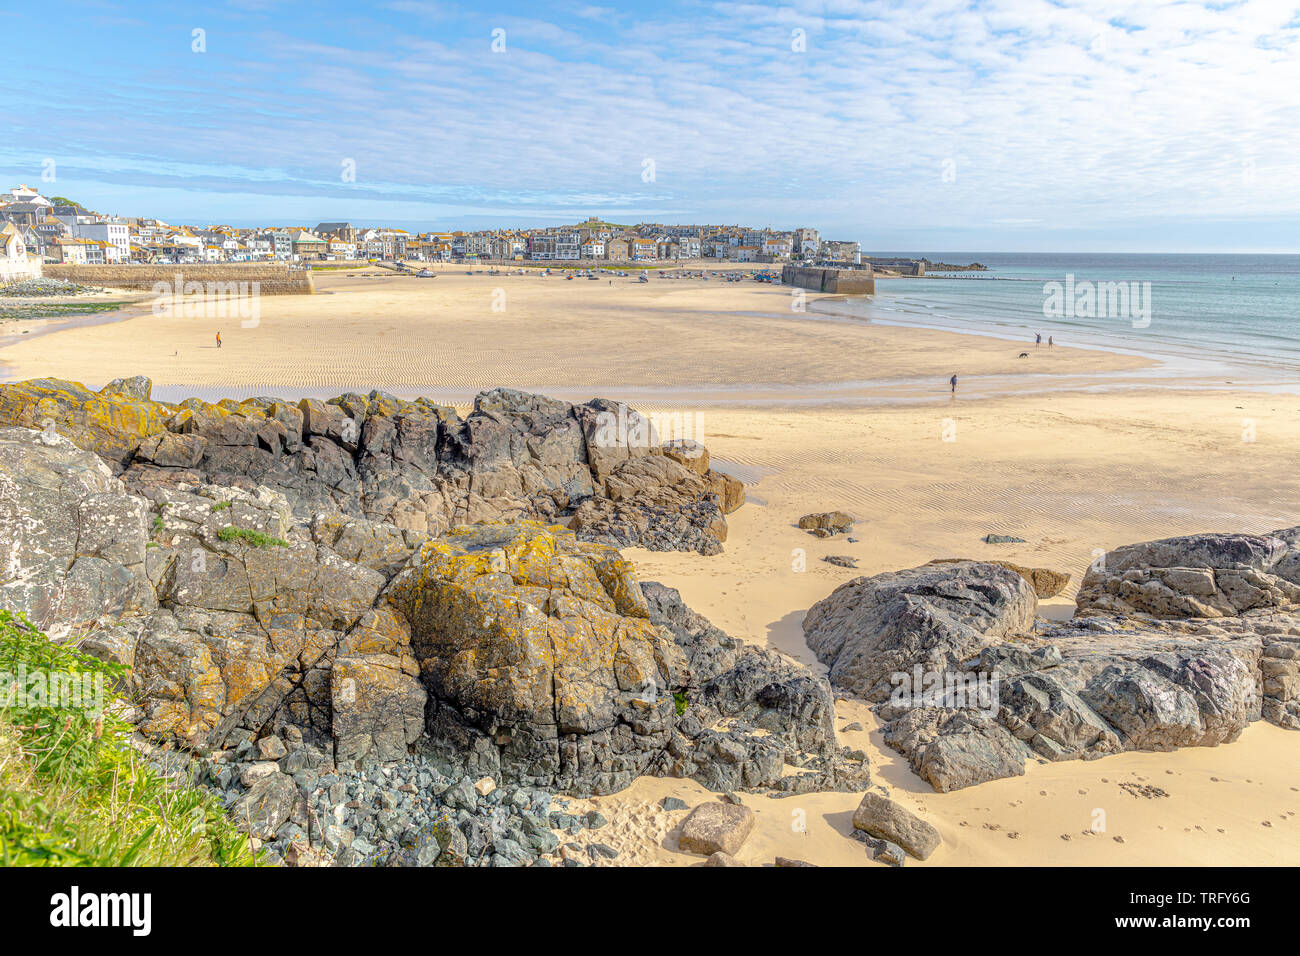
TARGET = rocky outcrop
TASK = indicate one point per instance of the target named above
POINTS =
(112, 423)
(414, 465)
(72, 541)
(654, 502)
(512, 649)
(283, 657)
(1203, 575)
(547, 665)
(539, 649)
(747, 714)
(968, 685)
(935, 616)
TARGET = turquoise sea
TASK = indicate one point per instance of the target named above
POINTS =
(1229, 313)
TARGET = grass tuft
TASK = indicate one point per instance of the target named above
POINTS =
(257, 539)
(72, 790)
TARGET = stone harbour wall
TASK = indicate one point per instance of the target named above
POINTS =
(273, 278)
(839, 281)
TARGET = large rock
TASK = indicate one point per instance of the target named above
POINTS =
(548, 664)
(266, 806)
(886, 819)
(951, 749)
(716, 828)
(933, 617)
(657, 503)
(747, 713)
(377, 701)
(111, 423)
(1006, 688)
(541, 647)
(72, 541)
(413, 465)
(1201, 575)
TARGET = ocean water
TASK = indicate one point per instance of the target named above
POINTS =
(1229, 313)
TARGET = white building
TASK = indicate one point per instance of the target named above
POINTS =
(116, 234)
(15, 263)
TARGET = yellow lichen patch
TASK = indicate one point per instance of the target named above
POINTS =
(520, 618)
(111, 425)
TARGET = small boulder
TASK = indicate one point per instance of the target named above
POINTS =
(256, 771)
(890, 853)
(271, 748)
(711, 827)
(266, 806)
(827, 523)
(885, 819)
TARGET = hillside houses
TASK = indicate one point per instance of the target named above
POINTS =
(56, 230)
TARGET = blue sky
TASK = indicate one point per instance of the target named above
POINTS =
(919, 125)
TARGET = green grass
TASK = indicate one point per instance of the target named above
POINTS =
(221, 506)
(257, 539)
(73, 793)
(680, 701)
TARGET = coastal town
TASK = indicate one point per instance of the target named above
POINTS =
(56, 230)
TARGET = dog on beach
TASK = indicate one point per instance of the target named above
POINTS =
(1023, 355)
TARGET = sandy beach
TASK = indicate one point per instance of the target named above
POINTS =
(1076, 450)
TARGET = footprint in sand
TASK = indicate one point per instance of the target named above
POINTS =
(1013, 834)
(1119, 839)
(1066, 837)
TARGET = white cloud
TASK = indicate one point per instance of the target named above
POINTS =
(1084, 114)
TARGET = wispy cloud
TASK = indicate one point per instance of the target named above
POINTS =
(868, 118)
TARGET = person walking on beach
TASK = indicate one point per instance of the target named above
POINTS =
(953, 382)
(1049, 341)
(1038, 339)
(218, 340)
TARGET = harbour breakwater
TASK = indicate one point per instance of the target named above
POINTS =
(841, 281)
(272, 278)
